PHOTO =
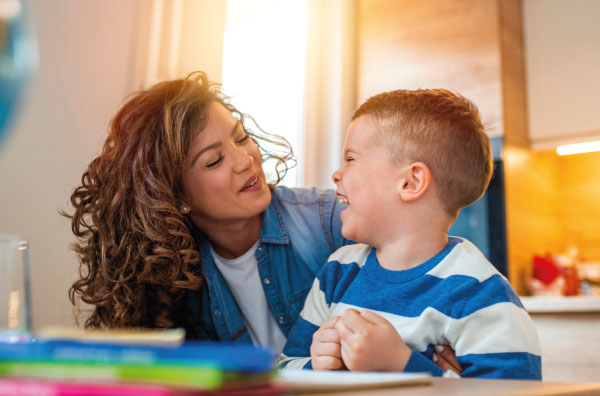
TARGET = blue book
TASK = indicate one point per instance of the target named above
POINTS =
(223, 356)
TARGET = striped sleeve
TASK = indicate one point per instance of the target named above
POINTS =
(492, 334)
(499, 341)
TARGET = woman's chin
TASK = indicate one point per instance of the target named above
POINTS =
(263, 198)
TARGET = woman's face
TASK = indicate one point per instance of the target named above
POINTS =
(224, 181)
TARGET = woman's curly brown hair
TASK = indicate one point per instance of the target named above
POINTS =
(137, 256)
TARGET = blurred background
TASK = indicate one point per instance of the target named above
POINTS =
(300, 67)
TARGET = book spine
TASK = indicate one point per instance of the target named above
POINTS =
(236, 358)
(205, 378)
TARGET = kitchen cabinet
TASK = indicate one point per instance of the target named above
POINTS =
(472, 47)
(562, 63)
(568, 329)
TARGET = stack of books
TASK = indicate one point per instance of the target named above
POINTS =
(82, 367)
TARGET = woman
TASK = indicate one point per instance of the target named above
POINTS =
(178, 226)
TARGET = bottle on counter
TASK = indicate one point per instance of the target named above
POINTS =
(589, 277)
(567, 264)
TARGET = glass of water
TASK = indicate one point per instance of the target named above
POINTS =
(15, 302)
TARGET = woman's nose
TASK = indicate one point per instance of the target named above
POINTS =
(337, 176)
(243, 159)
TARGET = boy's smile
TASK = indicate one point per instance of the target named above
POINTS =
(343, 199)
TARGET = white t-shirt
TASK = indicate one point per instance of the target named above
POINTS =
(241, 275)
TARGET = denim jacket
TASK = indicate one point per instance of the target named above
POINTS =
(301, 228)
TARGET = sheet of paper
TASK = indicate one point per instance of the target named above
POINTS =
(310, 380)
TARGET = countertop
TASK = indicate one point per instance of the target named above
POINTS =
(560, 304)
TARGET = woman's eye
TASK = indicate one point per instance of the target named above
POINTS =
(243, 139)
(215, 162)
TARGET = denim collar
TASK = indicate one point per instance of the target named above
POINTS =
(273, 228)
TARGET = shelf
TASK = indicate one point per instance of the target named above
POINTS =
(559, 304)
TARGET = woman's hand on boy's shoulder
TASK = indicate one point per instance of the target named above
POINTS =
(369, 342)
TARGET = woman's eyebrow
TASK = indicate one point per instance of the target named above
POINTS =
(235, 128)
(205, 149)
(349, 150)
(213, 146)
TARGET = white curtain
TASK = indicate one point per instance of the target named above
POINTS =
(330, 87)
(183, 36)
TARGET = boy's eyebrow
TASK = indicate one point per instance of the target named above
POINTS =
(214, 145)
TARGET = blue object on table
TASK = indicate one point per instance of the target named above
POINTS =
(18, 60)
(225, 356)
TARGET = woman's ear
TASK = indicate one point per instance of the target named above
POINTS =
(414, 181)
(184, 208)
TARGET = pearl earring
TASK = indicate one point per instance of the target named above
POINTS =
(185, 209)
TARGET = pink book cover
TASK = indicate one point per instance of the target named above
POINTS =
(24, 387)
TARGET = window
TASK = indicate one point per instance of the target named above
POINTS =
(264, 57)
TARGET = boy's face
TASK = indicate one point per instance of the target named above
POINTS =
(366, 181)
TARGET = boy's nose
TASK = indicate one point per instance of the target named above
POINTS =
(337, 176)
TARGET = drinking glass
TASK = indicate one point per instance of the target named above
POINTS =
(15, 303)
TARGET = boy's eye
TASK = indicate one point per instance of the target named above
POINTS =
(215, 162)
(348, 159)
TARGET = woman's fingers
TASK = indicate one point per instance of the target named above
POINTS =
(445, 357)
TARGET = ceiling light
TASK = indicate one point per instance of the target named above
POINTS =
(578, 148)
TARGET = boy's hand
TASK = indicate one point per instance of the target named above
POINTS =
(325, 350)
(370, 343)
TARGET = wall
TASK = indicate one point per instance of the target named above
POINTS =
(553, 206)
(84, 73)
(532, 208)
(92, 54)
(578, 188)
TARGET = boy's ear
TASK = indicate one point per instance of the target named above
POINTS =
(414, 181)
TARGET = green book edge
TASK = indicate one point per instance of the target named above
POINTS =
(205, 378)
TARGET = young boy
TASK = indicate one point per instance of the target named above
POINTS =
(412, 160)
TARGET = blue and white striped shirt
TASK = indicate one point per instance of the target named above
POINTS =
(456, 298)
